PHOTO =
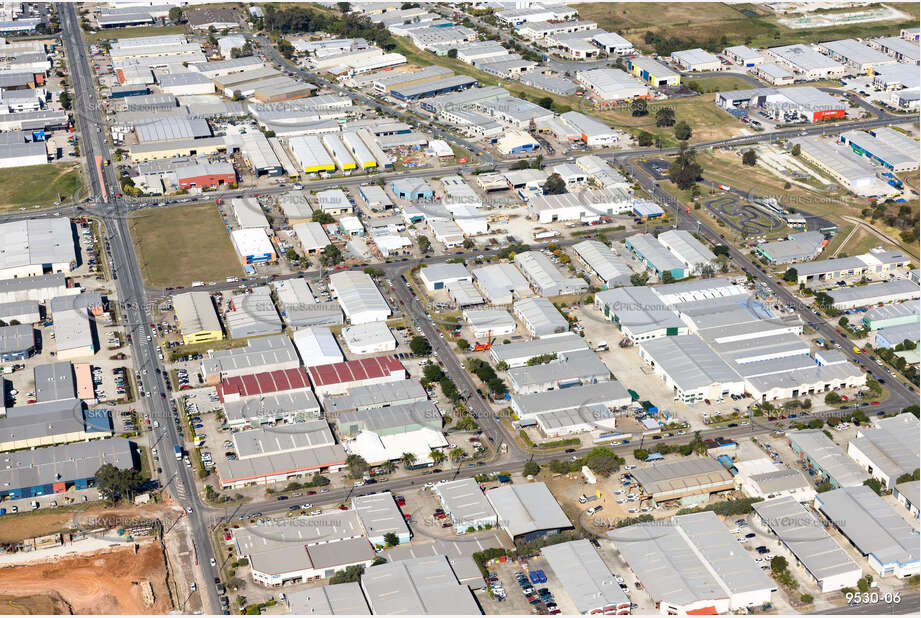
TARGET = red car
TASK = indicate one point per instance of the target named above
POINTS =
(343, 507)
(844, 397)
(875, 403)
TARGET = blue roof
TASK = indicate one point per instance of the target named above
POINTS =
(654, 457)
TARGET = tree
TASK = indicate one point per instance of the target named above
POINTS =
(286, 49)
(420, 346)
(425, 245)
(432, 373)
(391, 539)
(456, 453)
(795, 150)
(437, 456)
(545, 102)
(875, 485)
(684, 170)
(667, 276)
(348, 575)
(749, 157)
(778, 564)
(463, 344)
(175, 14)
(452, 53)
(644, 138)
(357, 466)
(65, 100)
(640, 454)
(603, 461)
(331, 255)
(555, 185)
(344, 7)
(665, 117)
(408, 459)
(531, 468)
(843, 322)
(638, 107)
(791, 276)
(116, 483)
(833, 398)
(682, 131)
(523, 164)
(639, 278)
(322, 217)
(212, 40)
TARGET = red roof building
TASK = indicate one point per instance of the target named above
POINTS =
(338, 378)
(264, 383)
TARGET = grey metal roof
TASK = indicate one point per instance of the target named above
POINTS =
(459, 553)
(894, 310)
(417, 586)
(33, 242)
(639, 309)
(856, 52)
(403, 417)
(695, 559)
(579, 365)
(541, 272)
(689, 362)
(893, 446)
(16, 338)
(283, 439)
(868, 294)
(271, 407)
(171, 128)
(911, 490)
(442, 271)
(682, 477)
(870, 524)
(783, 479)
(609, 267)
(527, 507)
(806, 538)
(376, 396)
(509, 352)
(336, 599)
(499, 280)
(610, 394)
(187, 78)
(495, 318)
(54, 381)
(18, 308)
(258, 353)
(798, 247)
(196, 312)
(64, 463)
(46, 419)
(819, 448)
(804, 57)
(465, 502)
(585, 578)
(541, 316)
(694, 56)
(380, 515)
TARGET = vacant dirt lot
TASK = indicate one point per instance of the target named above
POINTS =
(14, 528)
(102, 583)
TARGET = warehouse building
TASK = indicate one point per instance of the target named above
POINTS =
(56, 469)
(887, 316)
(774, 74)
(501, 284)
(339, 152)
(806, 63)
(808, 544)
(315, 550)
(340, 378)
(899, 48)
(197, 317)
(280, 467)
(585, 578)
(252, 314)
(743, 55)
(490, 321)
(609, 394)
(182, 84)
(639, 313)
(590, 131)
(22, 311)
(825, 458)
(74, 336)
(908, 495)
(33, 246)
(603, 263)
(289, 406)
(310, 154)
(858, 57)
(438, 276)
(874, 293)
(527, 511)
(386, 434)
(249, 213)
(420, 586)
(466, 505)
(272, 353)
(690, 480)
(373, 396)
(517, 354)
(890, 148)
(653, 72)
(766, 479)
(459, 554)
(876, 264)
(317, 346)
(545, 279)
(801, 103)
(423, 90)
(611, 84)
(206, 175)
(655, 256)
(312, 237)
(691, 368)
(22, 154)
(52, 422)
(300, 307)
(540, 317)
(566, 370)
(17, 342)
(696, 60)
(333, 600)
(845, 166)
(888, 450)
(874, 528)
(694, 566)
(380, 516)
(613, 43)
(689, 251)
(359, 297)
(369, 338)
(795, 248)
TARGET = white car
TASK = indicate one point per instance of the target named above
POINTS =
(619, 579)
(188, 509)
(213, 562)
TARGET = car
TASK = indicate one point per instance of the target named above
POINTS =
(750, 535)
(188, 509)
(594, 509)
(280, 498)
(213, 562)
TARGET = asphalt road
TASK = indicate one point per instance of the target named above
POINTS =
(104, 188)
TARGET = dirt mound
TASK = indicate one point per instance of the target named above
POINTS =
(106, 582)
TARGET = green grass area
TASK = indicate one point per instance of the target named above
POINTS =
(708, 122)
(706, 85)
(39, 185)
(130, 33)
(749, 24)
(182, 244)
